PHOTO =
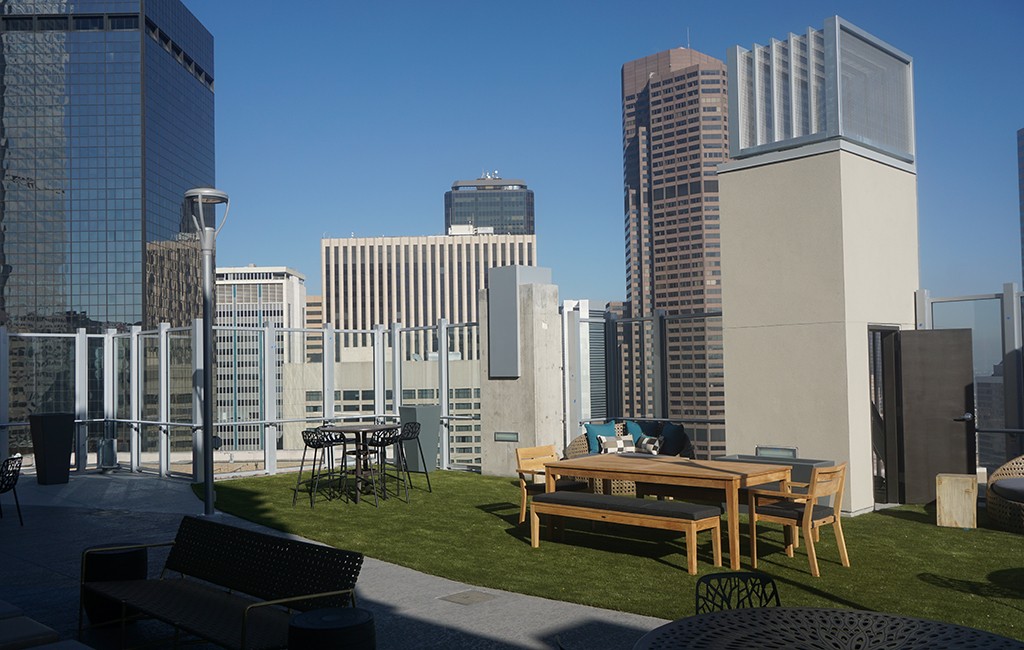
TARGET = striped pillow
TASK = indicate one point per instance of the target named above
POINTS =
(616, 444)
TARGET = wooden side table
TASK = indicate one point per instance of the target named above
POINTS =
(956, 500)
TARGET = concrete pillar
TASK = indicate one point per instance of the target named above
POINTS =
(523, 410)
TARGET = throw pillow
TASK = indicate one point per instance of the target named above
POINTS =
(648, 445)
(595, 430)
(616, 444)
(634, 430)
(674, 439)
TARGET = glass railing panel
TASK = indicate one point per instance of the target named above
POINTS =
(636, 343)
(149, 401)
(353, 375)
(464, 382)
(984, 318)
(42, 380)
(301, 391)
(181, 410)
(695, 385)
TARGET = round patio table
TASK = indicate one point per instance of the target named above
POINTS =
(809, 628)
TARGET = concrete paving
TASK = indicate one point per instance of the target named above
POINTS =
(40, 566)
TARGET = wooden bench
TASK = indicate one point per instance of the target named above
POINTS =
(233, 587)
(689, 518)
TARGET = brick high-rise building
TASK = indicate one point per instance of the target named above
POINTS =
(674, 136)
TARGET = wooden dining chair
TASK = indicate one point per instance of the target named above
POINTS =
(801, 510)
(530, 464)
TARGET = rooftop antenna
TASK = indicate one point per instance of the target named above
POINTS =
(687, 38)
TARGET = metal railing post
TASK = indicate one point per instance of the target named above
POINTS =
(109, 394)
(328, 371)
(81, 399)
(378, 369)
(396, 365)
(442, 389)
(1013, 374)
(164, 445)
(197, 400)
(270, 431)
(134, 401)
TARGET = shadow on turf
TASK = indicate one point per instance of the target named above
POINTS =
(1002, 584)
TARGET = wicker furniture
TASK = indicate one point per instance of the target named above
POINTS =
(1004, 509)
(771, 628)
(234, 587)
(688, 518)
(10, 470)
(801, 510)
(735, 590)
(578, 447)
(529, 464)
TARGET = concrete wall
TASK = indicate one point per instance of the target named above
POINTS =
(814, 249)
(530, 405)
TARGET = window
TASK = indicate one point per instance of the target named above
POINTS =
(88, 23)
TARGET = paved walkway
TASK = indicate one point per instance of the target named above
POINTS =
(39, 572)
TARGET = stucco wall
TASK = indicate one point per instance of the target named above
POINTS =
(813, 250)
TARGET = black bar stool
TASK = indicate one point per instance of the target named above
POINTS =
(322, 445)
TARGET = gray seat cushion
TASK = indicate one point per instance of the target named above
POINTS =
(1011, 489)
(22, 632)
(792, 510)
(674, 509)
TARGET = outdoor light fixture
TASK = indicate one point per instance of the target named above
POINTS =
(199, 201)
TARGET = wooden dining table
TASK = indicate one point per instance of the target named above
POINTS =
(359, 431)
(728, 477)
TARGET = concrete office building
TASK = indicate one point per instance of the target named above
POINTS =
(107, 114)
(674, 135)
(412, 280)
(819, 240)
(249, 298)
(489, 204)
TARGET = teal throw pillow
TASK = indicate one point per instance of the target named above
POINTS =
(633, 429)
(673, 439)
(595, 430)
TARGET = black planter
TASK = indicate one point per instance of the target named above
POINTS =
(52, 438)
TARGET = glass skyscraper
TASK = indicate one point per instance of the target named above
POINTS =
(106, 118)
(490, 204)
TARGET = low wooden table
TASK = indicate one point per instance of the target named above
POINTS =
(812, 628)
(727, 476)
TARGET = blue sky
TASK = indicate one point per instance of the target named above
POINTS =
(336, 118)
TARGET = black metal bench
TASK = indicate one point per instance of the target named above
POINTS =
(689, 518)
(233, 587)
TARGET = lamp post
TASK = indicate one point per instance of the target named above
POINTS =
(199, 200)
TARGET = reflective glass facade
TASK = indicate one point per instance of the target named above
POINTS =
(106, 118)
(490, 204)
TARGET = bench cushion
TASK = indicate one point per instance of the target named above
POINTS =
(19, 632)
(1011, 489)
(673, 509)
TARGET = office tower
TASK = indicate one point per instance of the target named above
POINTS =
(674, 135)
(249, 298)
(107, 118)
(490, 204)
(412, 280)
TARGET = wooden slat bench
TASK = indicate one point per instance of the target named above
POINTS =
(233, 587)
(685, 517)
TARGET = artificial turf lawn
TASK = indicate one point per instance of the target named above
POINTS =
(466, 530)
